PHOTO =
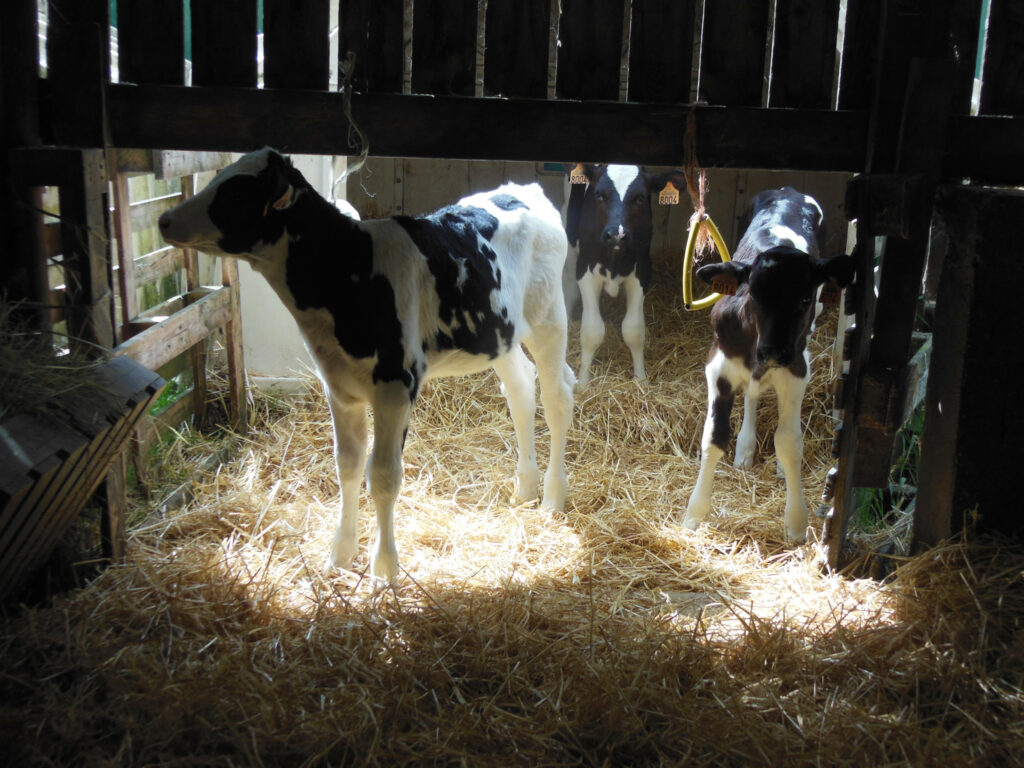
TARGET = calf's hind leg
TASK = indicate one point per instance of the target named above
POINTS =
(391, 406)
(519, 378)
(556, 384)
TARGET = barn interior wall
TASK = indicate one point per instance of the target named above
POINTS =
(391, 186)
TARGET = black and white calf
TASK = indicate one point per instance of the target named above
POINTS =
(611, 224)
(760, 340)
(386, 304)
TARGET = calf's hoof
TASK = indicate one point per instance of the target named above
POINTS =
(384, 564)
(343, 553)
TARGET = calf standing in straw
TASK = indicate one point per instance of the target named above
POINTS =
(760, 340)
(385, 305)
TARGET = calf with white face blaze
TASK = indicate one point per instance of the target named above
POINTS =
(384, 305)
(614, 225)
(760, 341)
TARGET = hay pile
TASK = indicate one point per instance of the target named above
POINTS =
(606, 635)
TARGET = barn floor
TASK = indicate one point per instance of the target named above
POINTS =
(606, 635)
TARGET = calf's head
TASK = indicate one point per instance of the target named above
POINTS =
(241, 211)
(781, 284)
(615, 220)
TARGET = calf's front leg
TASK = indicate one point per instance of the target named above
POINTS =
(789, 451)
(591, 324)
(349, 420)
(633, 327)
(721, 397)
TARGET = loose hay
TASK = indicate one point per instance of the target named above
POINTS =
(606, 635)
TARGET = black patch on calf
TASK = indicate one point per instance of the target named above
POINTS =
(721, 410)
(507, 202)
(330, 267)
(455, 240)
(573, 211)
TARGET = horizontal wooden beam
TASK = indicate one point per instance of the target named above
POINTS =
(313, 122)
(180, 332)
(986, 148)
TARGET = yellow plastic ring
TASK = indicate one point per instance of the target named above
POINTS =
(691, 242)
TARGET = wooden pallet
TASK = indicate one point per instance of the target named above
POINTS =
(50, 467)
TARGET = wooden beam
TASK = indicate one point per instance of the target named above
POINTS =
(85, 243)
(158, 345)
(523, 129)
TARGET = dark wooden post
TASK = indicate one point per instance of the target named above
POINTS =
(971, 450)
(911, 109)
(22, 269)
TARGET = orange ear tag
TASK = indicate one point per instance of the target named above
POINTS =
(724, 284)
(829, 294)
(669, 195)
(578, 175)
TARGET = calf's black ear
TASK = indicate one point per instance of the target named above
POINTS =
(739, 272)
(282, 193)
(841, 269)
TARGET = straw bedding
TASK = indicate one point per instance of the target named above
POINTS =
(605, 635)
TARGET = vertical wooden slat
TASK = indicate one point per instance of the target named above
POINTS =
(196, 355)
(233, 344)
(964, 467)
(963, 39)
(224, 43)
(295, 44)
(92, 12)
(85, 243)
(76, 53)
(22, 269)
(1002, 89)
(444, 47)
(516, 48)
(151, 41)
(125, 249)
(590, 47)
(732, 52)
(661, 50)
(804, 53)
(860, 53)
(372, 30)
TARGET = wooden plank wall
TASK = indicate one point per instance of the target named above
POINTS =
(516, 48)
(151, 38)
(372, 30)
(590, 49)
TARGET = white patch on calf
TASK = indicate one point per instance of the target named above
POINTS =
(621, 177)
(784, 233)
